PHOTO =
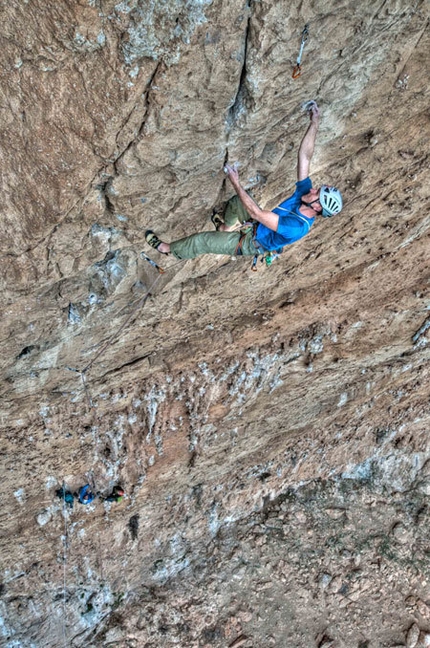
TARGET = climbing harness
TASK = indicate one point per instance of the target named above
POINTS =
(297, 69)
(150, 261)
(269, 256)
(239, 251)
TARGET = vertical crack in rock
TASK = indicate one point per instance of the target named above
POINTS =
(147, 95)
(104, 194)
(221, 192)
(242, 97)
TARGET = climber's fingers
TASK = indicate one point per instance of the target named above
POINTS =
(314, 112)
(232, 172)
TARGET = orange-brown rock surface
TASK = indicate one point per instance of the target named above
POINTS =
(270, 429)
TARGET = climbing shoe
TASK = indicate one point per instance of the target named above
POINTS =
(216, 220)
(153, 240)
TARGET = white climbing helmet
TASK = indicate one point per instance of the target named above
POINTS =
(331, 201)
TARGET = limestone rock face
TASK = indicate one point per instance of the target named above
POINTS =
(269, 428)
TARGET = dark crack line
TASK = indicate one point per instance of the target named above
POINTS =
(124, 124)
(224, 180)
(148, 98)
(147, 93)
(416, 44)
(242, 91)
(131, 363)
(136, 307)
(104, 192)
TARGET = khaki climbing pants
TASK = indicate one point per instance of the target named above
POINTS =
(219, 242)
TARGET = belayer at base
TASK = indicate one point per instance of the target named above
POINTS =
(268, 230)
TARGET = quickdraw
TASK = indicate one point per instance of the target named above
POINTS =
(150, 261)
(297, 69)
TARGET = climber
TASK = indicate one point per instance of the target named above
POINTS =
(85, 494)
(268, 230)
(117, 495)
(65, 495)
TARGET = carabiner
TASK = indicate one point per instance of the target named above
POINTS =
(296, 72)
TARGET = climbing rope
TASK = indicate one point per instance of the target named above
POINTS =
(64, 566)
(297, 69)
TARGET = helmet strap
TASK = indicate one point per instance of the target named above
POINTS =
(310, 204)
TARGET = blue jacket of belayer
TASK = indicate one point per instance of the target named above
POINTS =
(86, 495)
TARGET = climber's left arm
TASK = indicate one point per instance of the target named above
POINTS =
(306, 149)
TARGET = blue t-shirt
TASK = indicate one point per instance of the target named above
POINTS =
(292, 223)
